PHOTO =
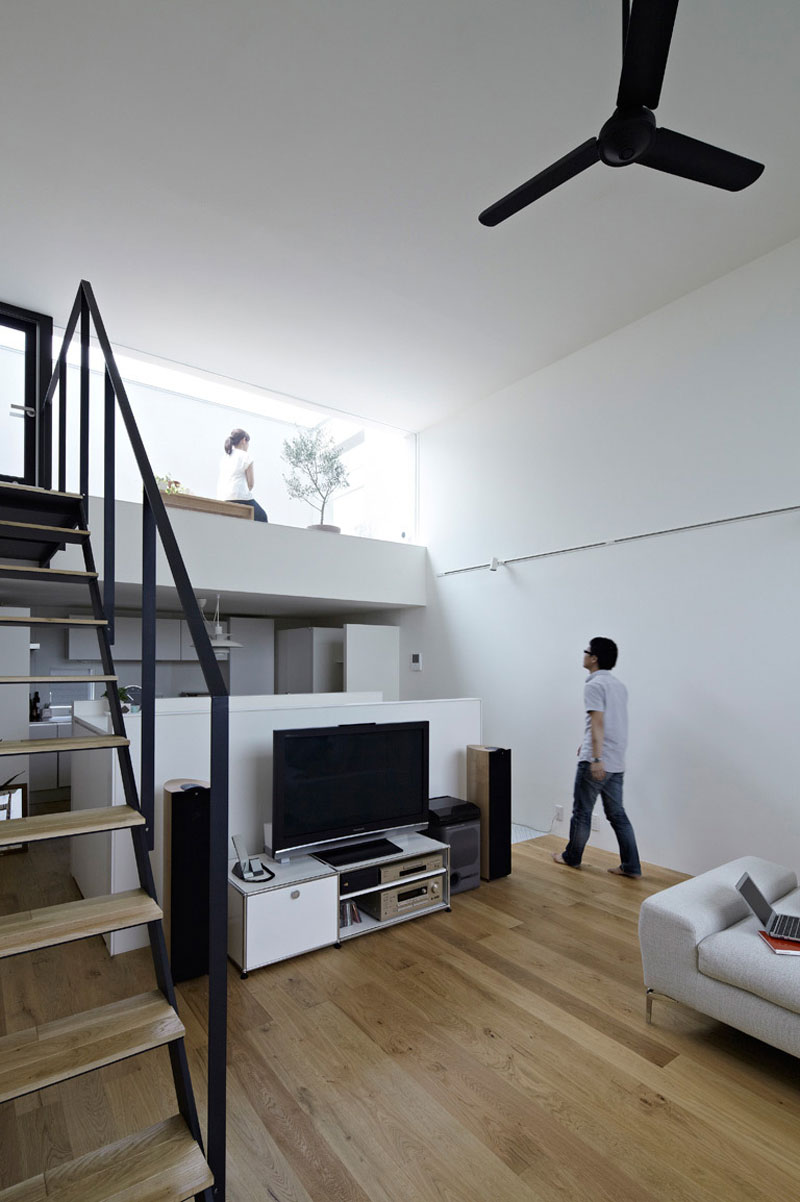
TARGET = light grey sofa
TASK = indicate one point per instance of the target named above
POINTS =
(700, 947)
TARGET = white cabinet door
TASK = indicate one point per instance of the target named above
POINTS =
(168, 639)
(127, 643)
(82, 642)
(287, 921)
(185, 644)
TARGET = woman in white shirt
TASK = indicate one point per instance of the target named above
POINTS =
(236, 474)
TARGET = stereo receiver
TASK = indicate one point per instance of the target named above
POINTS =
(403, 899)
(416, 867)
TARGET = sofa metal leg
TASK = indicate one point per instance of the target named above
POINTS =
(649, 1006)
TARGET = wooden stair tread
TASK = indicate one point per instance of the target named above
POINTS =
(30, 572)
(24, 621)
(35, 490)
(72, 822)
(161, 1163)
(67, 743)
(39, 530)
(57, 1051)
(87, 677)
(31, 929)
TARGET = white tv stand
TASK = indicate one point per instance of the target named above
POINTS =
(308, 904)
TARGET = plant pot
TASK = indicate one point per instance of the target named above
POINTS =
(325, 526)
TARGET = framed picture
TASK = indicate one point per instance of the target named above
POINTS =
(13, 804)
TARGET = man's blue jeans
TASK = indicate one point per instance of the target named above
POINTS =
(584, 797)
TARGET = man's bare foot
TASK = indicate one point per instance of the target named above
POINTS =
(559, 859)
(635, 876)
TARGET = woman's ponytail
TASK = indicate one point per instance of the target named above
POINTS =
(234, 438)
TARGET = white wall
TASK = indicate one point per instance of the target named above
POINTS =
(689, 415)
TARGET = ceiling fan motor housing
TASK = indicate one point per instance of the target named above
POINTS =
(626, 136)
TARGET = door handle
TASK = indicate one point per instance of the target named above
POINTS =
(26, 411)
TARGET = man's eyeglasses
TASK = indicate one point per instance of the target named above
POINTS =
(588, 651)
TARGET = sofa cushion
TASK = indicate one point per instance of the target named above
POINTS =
(737, 956)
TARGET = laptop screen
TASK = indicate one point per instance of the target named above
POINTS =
(755, 899)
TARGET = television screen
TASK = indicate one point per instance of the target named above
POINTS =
(338, 782)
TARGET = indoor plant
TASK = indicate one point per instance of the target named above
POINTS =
(317, 471)
(172, 488)
(124, 696)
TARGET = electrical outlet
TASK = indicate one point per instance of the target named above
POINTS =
(416, 661)
(559, 813)
(595, 822)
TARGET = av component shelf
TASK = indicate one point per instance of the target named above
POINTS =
(300, 909)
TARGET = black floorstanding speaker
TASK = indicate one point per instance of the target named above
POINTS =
(187, 805)
(489, 787)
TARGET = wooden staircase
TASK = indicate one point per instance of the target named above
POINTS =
(165, 1161)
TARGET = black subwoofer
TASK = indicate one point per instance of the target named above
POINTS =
(457, 823)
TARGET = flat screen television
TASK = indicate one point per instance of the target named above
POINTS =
(333, 785)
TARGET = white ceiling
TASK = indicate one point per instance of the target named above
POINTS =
(286, 191)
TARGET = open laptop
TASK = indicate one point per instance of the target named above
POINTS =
(784, 926)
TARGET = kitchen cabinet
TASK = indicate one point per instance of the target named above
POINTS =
(82, 644)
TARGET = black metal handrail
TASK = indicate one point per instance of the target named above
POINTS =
(155, 521)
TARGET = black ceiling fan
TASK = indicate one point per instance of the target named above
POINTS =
(630, 135)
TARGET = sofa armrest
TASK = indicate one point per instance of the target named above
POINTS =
(672, 923)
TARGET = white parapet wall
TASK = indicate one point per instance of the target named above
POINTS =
(281, 565)
(104, 863)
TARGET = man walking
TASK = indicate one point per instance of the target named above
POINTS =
(601, 761)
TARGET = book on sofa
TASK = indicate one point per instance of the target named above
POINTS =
(782, 947)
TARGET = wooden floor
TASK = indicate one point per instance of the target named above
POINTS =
(495, 1054)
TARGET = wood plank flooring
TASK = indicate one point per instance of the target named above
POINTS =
(498, 1052)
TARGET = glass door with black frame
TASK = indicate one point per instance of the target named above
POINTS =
(12, 403)
(25, 357)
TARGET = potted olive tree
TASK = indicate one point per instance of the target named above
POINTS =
(317, 471)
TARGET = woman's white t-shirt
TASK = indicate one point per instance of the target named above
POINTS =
(232, 483)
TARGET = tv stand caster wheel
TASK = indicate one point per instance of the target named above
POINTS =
(338, 945)
(244, 976)
(449, 909)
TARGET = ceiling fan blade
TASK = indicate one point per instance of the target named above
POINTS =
(646, 48)
(557, 173)
(680, 155)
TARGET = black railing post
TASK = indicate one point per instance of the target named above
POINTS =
(147, 777)
(62, 424)
(218, 943)
(109, 506)
(44, 413)
(84, 452)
